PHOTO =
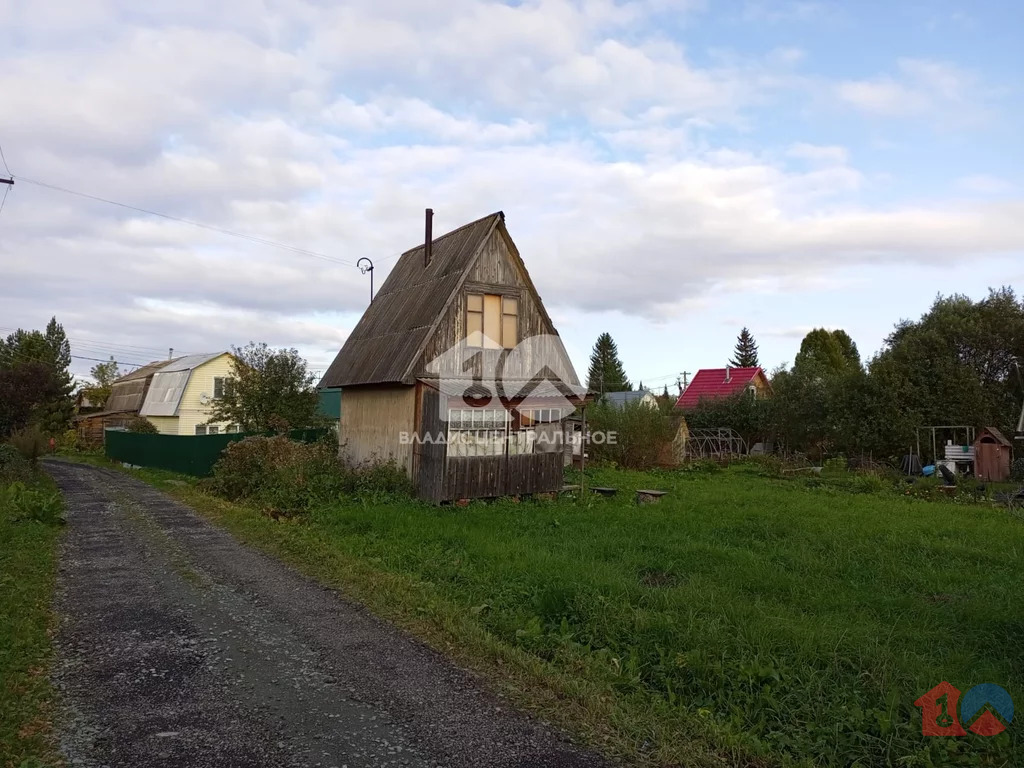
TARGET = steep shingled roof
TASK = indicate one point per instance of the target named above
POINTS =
(389, 338)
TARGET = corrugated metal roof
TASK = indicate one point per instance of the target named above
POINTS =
(145, 371)
(714, 382)
(619, 399)
(168, 384)
(128, 392)
(188, 362)
(165, 393)
(384, 345)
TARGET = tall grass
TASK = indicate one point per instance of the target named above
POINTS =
(743, 616)
(29, 511)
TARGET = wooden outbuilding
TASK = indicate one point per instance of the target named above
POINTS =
(992, 455)
(456, 373)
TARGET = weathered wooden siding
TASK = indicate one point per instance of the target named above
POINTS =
(496, 271)
(372, 423)
(430, 459)
(487, 476)
(91, 428)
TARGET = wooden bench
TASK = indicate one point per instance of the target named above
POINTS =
(604, 491)
(649, 496)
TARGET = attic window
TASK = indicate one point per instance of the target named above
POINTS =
(492, 321)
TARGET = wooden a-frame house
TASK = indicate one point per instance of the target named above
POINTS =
(456, 372)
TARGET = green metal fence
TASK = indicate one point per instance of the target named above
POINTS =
(188, 454)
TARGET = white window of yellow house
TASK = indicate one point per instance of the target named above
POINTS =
(491, 321)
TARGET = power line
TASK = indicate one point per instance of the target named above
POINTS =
(5, 161)
(99, 345)
(210, 227)
(7, 189)
(25, 357)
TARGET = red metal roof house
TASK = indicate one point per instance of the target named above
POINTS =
(712, 383)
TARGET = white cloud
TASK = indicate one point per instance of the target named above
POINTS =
(332, 127)
(984, 184)
(922, 86)
(819, 154)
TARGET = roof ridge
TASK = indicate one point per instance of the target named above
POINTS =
(457, 229)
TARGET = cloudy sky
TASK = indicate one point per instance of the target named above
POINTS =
(671, 170)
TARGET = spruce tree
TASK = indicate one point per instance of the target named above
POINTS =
(54, 406)
(745, 355)
(606, 372)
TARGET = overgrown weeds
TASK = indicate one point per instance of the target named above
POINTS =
(30, 507)
(33, 504)
(635, 436)
(30, 442)
(285, 478)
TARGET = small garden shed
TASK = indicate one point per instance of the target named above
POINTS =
(456, 373)
(992, 453)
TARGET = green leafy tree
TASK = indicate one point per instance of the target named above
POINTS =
(54, 404)
(26, 390)
(956, 365)
(268, 390)
(606, 373)
(745, 355)
(827, 352)
(104, 374)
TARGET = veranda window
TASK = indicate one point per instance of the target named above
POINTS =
(532, 423)
(477, 431)
(486, 431)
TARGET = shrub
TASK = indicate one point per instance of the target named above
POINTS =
(836, 464)
(13, 465)
(284, 478)
(641, 434)
(39, 505)
(142, 425)
(69, 442)
(1017, 469)
(30, 442)
(380, 481)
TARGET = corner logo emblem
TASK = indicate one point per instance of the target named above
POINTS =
(986, 709)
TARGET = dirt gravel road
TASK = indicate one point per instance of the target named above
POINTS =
(178, 646)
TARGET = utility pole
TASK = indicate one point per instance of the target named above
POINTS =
(7, 181)
(683, 381)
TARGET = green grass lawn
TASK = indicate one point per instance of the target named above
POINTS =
(742, 620)
(27, 559)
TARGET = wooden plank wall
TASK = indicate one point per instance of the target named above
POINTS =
(475, 477)
(372, 422)
(495, 272)
(430, 453)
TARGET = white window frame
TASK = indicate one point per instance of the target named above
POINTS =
(474, 432)
(201, 429)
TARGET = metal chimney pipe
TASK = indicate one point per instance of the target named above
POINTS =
(428, 238)
(728, 374)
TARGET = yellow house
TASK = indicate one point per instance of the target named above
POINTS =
(181, 396)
